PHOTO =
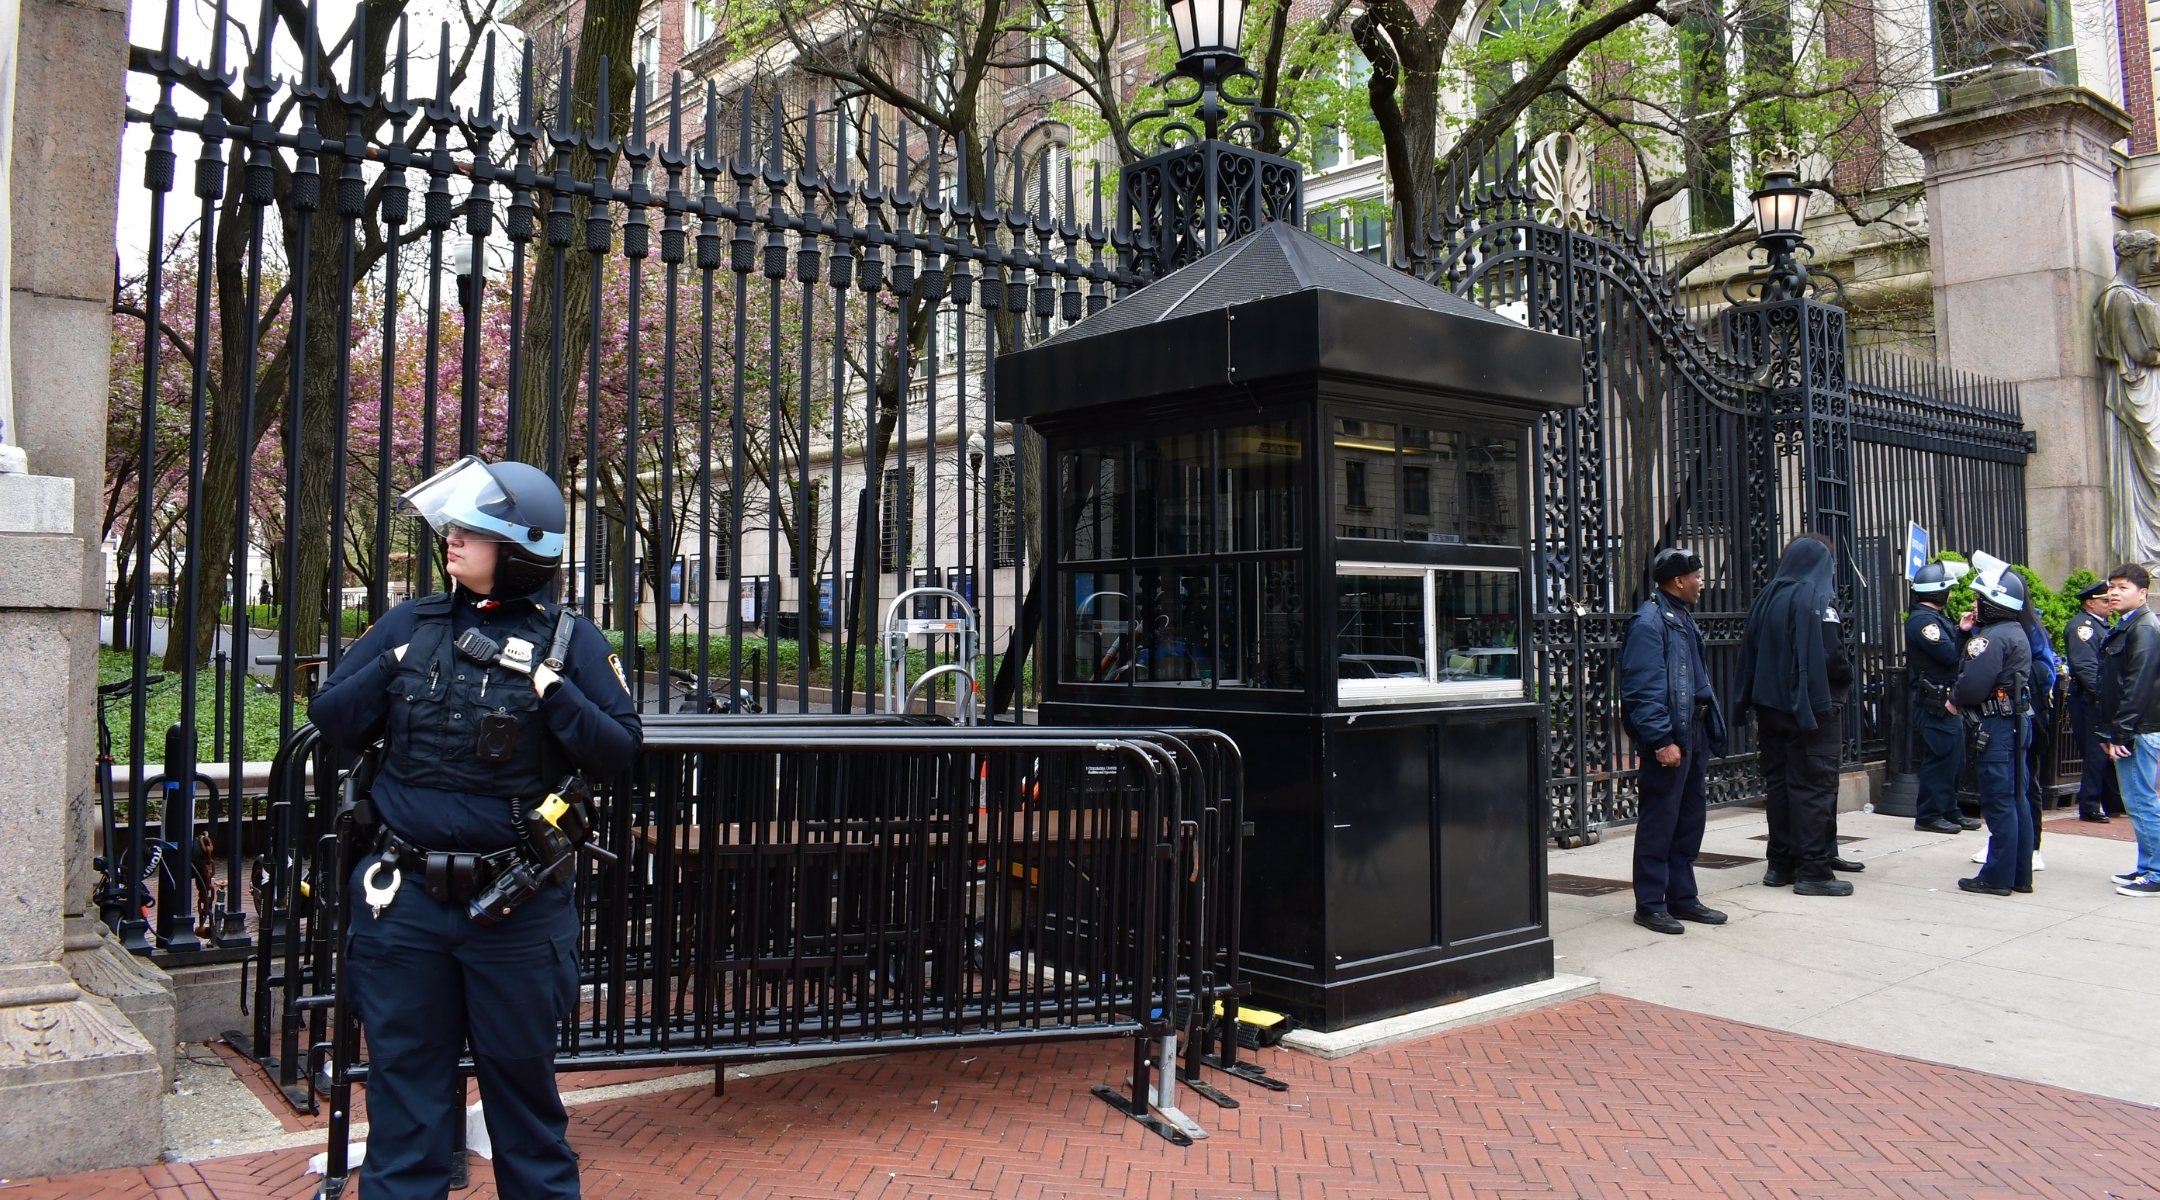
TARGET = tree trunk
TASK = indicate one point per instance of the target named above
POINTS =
(606, 31)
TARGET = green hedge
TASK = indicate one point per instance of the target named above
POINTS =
(2055, 606)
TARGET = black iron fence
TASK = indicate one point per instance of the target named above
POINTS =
(752, 337)
(751, 340)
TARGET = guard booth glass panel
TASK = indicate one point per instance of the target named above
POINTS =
(1229, 609)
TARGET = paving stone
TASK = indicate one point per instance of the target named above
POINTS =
(1602, 1097)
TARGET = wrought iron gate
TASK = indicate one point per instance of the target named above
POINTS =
(1728, 432)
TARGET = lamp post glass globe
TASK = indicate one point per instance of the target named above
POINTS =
(1781, 203)
(1207, 27)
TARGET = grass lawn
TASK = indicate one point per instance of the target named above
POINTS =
(163, 710)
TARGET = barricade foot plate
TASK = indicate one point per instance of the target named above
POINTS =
(1210, 1092)
(330, 1189)
(1249, 1073)
(1154, 1124)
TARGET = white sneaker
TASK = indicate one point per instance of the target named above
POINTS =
(1980, 857)
(2039, 863)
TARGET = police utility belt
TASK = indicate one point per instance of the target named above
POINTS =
(492, 886)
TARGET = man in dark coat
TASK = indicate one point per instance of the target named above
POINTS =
(2098, 796)
(1794, 673)
(1934, 645)
(1671, 711)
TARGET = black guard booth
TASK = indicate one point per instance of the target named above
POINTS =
(1289, 498)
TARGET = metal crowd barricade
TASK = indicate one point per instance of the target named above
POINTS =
(296, 888)
(792, 886)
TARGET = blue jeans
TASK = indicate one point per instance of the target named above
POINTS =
(2135, 775)
(2003, 803)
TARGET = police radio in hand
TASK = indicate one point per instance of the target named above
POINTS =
(556, 831)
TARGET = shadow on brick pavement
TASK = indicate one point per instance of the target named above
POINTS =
(1602, 1097)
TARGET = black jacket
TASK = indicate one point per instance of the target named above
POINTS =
(1998, 659)
(2130, 679)
(2082, 639)
(1933, 644)
(588, 714)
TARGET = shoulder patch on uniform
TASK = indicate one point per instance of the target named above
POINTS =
(2084, 633)
(614, 662)
(1931, 632)
(1973, 649)
(1829, 613)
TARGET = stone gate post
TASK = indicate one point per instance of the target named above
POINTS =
(81, 1087)
(2021, 196)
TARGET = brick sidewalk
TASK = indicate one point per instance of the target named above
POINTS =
(1603, 1097)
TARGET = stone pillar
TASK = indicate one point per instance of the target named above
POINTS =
(80, 1086)
(2021, 225)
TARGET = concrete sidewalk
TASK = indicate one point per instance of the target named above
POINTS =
(2052, 987)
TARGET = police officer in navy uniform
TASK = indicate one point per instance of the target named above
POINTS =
(2098, 796)
(1933, 648)
(1672, 712)
(486, 698)
(1994, 683)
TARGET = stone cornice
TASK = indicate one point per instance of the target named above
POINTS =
(2060, 122)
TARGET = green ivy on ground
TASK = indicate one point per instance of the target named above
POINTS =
(163, 710)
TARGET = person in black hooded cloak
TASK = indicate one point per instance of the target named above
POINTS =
(1794, 673)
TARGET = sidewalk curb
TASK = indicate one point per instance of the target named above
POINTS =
(1426, 1022)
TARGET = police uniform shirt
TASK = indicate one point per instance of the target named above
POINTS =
(2082, 639)
(1997, 658)
(589, 714)
(1933, 643)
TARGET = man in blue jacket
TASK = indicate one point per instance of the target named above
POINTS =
(1672, 712)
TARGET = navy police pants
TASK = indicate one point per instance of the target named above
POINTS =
(2003, 803)
(1942, 760)
(1669, 831)
(429, 982)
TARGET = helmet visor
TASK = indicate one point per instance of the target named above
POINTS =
(467, 494)
(463, 494)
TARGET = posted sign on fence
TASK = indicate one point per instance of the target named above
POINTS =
(1916, 549)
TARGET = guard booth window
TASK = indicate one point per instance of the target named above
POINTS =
(1426, 633)
(1173, 583)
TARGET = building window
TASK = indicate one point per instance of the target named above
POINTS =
(1004, 512)
(1364, 478)
(697, 24)
(648, 54)
(1046, 52)
(896, 521)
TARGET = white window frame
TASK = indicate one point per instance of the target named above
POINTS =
(698, 25)
(1430, 689)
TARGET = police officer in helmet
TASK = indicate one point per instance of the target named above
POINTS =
(1994, 683)
(1933, 648)
(486, 698)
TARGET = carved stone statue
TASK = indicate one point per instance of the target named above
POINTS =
(2127, 337)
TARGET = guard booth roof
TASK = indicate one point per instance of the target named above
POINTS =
(1282, 304)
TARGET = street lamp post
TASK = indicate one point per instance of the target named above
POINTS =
(1204, 188)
